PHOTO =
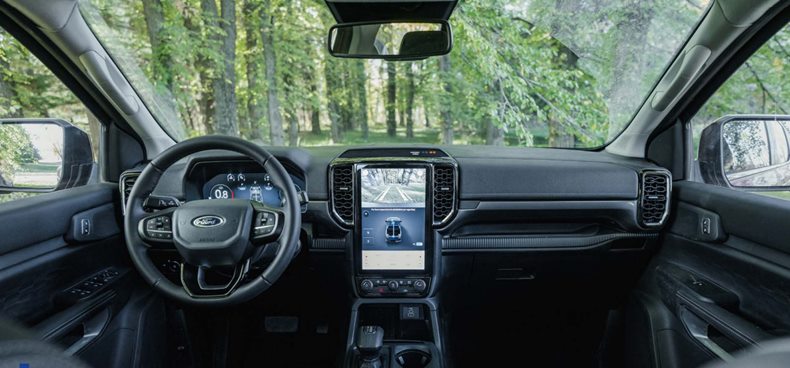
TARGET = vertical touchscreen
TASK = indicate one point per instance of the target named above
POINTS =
(393, 218)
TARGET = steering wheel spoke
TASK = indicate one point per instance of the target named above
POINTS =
(267, 224)
(195, 280)
(157, 227)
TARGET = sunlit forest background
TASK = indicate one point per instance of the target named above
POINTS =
(522, 73)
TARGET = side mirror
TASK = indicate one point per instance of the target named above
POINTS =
(391, 40)
(747, 151)
(42, 155)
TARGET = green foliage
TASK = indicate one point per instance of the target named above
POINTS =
(15, 150)
(759, 86)
(527, 73)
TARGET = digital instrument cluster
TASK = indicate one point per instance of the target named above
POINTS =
(256, 186)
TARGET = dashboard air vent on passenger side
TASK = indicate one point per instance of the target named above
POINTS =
(126, 183)
(654, 202)
(342, 187)
(443, 193)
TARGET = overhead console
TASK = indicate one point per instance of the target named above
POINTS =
(393, 199)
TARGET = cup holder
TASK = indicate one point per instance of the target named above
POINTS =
(413, 358)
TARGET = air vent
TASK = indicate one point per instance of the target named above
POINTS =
(655, 198)
(443, 193)
(126, 183)
(342, 187)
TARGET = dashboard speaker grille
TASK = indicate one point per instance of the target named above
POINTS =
(655, 198)
(443, 193)
(343, 193)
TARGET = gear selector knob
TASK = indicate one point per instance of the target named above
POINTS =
(370, 339)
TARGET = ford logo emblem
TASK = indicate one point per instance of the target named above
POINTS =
(208, 221)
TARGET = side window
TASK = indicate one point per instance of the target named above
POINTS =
(48, 139)
(741, 134)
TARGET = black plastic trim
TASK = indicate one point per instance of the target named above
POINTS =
(553, 242)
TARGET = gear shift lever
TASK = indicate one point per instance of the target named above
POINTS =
(369, 342)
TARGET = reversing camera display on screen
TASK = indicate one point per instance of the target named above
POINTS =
(393, 187)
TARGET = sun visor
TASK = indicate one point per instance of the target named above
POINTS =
(349, 11)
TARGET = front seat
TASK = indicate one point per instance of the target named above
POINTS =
(773, 354)
(19, 348)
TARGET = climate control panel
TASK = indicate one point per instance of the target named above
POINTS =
(411, 287)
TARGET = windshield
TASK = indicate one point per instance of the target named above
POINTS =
(537, 73)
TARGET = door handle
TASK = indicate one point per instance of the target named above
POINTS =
(91, 329)
(699, 317)
(74, 317)
(698, 329)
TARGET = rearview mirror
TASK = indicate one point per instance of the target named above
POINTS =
(41, 155)
(747, 152)
(390, 40)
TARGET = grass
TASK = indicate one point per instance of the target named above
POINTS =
(39, 167)
(375, 136)
(781, 195)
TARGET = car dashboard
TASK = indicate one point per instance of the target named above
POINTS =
(414, 222)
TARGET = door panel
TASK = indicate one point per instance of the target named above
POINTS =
(65, 273)
(720, 280)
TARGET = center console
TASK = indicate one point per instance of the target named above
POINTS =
(388, 333)
(393, 253)
(393, 200)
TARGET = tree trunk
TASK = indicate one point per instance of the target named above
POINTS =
(333, 105)
(293, 129)
(203, 66)
(155, 25)
(226, 109)
(8, 96)
(495, 134)
(362, 98)
(391, 100)
(315, 121)
(410, 89)
(252, 58)
(224, 83)
(267, 36)
(315, 111)
(427, 116)
(447, 118)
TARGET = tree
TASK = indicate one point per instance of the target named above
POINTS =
(315, 110)
(361, 97)
(157, 35)
(391, 104)
(531, 73)
(253, 69)
(334, 93)
(447, 118)
(270, 59)
(222, 40)
(410, 91)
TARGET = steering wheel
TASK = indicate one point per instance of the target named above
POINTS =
(227, 233)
